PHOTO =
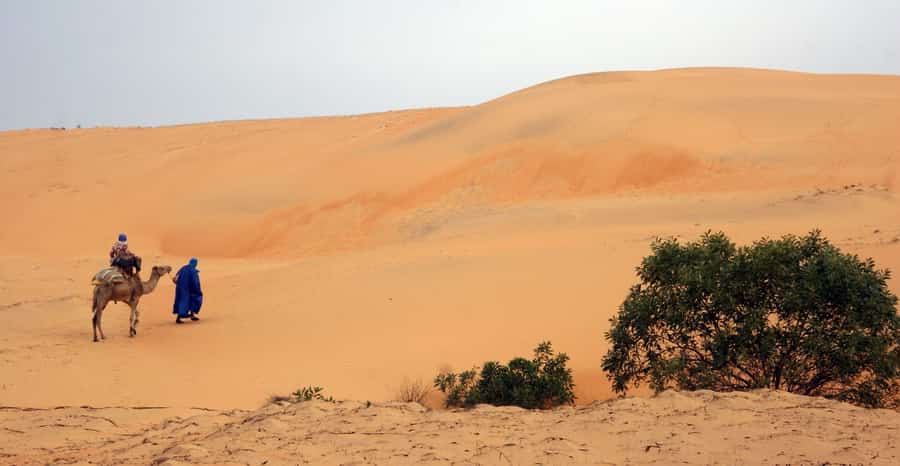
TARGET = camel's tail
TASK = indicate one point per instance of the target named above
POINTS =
(94, 302)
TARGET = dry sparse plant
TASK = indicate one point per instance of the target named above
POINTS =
(412, 391)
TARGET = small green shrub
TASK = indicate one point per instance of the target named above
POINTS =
(307, 393)
(459, 388)
(542, 382)
(310, 393)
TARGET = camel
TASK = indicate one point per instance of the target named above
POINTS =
(129, 291)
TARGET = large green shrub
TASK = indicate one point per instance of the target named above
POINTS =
(542, 382)
(793, 314)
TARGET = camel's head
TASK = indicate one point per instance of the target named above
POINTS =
(161, 270)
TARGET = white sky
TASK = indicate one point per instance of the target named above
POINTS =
(148, 63)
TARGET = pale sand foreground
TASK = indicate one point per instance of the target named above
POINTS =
(673, 428)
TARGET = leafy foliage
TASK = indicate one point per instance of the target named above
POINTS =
(542, 382)
(310, 393)
(793, 314)
(459, 388)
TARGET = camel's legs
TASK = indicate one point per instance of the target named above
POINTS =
(99, 304)
(133, 319)
(98, 320)
(102, 302)
(94, 323)
(100, 325)
(94, 314)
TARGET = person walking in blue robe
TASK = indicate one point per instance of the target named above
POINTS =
(188, 296)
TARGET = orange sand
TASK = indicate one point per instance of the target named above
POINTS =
(353, 252)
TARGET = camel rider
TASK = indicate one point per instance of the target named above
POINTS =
(120, 256)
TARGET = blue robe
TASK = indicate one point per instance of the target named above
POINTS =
(188, 296)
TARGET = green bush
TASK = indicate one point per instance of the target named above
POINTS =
(542, 382)
(792, 314)
(310, 393)
(307, 393)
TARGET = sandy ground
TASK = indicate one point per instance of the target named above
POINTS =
(353, 252)
(672, 428)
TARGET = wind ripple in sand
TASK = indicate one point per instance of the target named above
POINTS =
(703, 427)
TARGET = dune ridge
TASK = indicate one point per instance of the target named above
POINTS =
(674, 131)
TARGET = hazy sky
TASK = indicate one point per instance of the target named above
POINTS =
(155, 62)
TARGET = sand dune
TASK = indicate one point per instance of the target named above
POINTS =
(672, 428)
(351, 252)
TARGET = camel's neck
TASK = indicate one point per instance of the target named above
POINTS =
(150, 285)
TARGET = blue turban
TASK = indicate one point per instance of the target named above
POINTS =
(193, 262)
(122, 237)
